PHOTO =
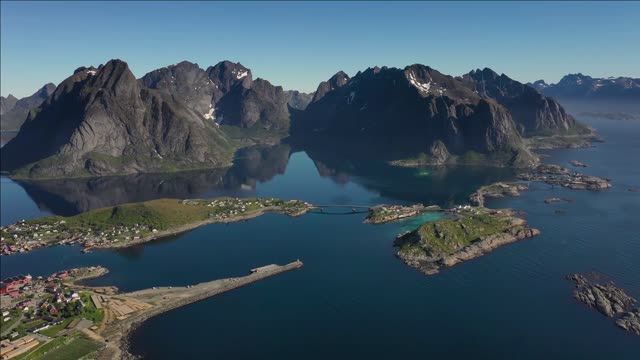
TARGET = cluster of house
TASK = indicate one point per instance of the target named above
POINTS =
(13, 286)
(236, 206)
(385, 213)
(26, 236)
(11, 349)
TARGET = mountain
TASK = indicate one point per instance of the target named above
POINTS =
(101, 121)
(579, 86)
(298, 100)
(13, 117)
(602, 98)
(533, 113)
(393, 113)
(7, 103)
(225, 93)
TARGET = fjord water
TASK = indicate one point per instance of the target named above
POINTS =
(353, 298)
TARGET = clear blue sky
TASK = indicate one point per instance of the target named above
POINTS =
(297, 45)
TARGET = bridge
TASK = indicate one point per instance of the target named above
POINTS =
(355, 209)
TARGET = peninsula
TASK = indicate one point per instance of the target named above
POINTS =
(129, 224)
(64, 319)
(468, 233)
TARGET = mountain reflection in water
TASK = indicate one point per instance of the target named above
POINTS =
(444, 186)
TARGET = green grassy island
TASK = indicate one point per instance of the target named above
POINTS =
(469, 232)
(128, 224)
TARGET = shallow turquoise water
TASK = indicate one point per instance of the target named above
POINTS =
(353, 298)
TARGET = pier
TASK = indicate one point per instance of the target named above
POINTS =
(124, 312)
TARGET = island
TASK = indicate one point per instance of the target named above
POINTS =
(608, 299)
(129, 224)
(558, 175)
(467, 233)
(54, 317)
(576, 163)
(386, 213)
(496, 190)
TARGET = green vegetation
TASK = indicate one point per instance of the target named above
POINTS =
(39, 351)
(54, 330)
(15, 316)
(75, 349)
(123, 223)
(159, 214)
(63, 348)
(89, 311)
(450, 235)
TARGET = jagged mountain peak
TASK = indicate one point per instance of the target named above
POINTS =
(101, 121)
(339, 79)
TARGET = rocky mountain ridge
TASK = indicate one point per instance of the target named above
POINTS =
(100, 121)
(433, 118)
(13, 111)
(103, 120)
(579, 86)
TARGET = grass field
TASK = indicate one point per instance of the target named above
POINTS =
(90, 311)
(54, 330)
(62, 348)
(449, 235)
(75, 349)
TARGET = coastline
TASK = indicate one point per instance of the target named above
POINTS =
(126, 225)
(195, 225)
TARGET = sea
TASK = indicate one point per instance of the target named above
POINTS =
(353, 298)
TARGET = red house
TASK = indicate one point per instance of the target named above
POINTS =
(53, 310)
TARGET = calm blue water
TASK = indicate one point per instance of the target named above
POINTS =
(353, 298)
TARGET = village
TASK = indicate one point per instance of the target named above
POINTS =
(104, 228)
(386, 213)
(40, 314)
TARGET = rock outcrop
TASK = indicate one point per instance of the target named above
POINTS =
(606, 298)
(630, 321)
(496, 190)
(609, 300)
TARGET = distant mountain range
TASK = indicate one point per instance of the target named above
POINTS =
(578, 86)
(615, 98)
(103, 121)
(13, 111)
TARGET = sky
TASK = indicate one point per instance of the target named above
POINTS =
(298, 45)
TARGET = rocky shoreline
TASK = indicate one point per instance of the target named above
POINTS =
(470, 233)
(560, 176)
(497, 190)
(609, 300)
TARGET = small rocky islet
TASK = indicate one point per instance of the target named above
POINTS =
(607, 299)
